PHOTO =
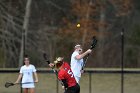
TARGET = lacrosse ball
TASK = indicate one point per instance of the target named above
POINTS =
(78, 25)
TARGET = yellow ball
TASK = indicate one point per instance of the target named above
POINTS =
(78, 25)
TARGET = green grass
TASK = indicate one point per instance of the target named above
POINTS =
(101, 83)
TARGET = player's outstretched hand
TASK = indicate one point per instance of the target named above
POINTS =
(51, 65)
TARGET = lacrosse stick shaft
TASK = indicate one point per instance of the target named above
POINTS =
(26, 83)
(84, 64)
(93, 44)
(8, 84)
(56, 73)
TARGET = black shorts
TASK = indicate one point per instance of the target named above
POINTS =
(73, 89)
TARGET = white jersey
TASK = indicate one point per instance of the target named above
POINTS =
(27, 72)
(76, 65)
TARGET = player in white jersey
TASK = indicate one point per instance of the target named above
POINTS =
(26, 74)
(77, 61)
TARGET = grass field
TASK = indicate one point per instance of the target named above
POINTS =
(101, 83)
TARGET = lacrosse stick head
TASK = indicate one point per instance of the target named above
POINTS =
(8, 84)
(46, 58)
(93, 43)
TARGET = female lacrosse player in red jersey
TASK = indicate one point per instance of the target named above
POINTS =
(65, 75)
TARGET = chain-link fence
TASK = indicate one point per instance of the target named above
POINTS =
(92, 81)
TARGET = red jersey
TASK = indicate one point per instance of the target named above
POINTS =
(66, 73)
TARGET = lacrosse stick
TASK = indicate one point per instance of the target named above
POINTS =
(55, 71)
(8, 84)
(93, 45)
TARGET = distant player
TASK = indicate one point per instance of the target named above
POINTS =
(26, 73)
(65, 74)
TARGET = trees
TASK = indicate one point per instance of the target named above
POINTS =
(52, 29)
(10, 27)
(102, 18)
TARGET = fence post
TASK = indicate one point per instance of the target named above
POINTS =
(90, 80)
(57, 86)
(122, 63)
(20, 88)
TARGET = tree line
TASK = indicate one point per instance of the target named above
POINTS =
(36, 26)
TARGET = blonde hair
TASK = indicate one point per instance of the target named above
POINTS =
(58, 62)
(77, 46)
